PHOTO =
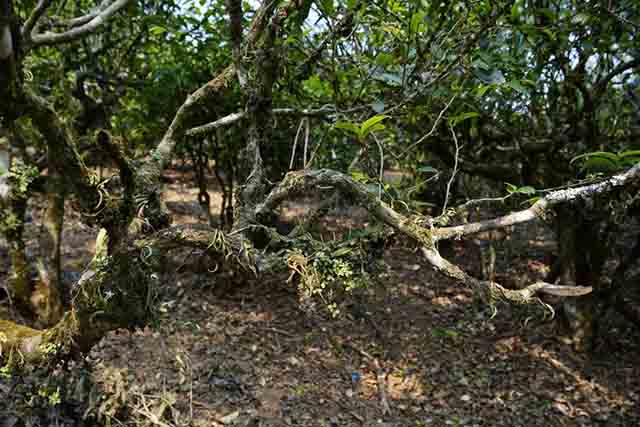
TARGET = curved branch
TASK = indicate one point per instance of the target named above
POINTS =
(95, 204)
(32, 21)
(422, 231)
(193, 105)
(50, 38)
(236, 117)
(76, 175)
(211, 127)
(114, 292)
(81, 20)
(632, 176)
(621, 68)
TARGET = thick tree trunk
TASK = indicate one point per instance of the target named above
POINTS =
(13, 204)
(12, 227)
(47, 295)
(583, 251)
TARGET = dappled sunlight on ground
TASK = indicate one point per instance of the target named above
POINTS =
(228, 350)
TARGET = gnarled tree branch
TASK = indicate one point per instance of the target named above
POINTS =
(569, 195)
(75, 33)
(34, 18)
(422, 231)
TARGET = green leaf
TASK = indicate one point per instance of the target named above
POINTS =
(612, 157)
(427, 169)
(391, 79)
(156, 30)
(462, 117)
(416, 20)
(443, 332)
(526, 190)
(481, 90)
(532, 201)
(375, 128)
(629, 153)
(494, 76)
(359, 176)
(342, 251)
(349, 127)
(581, 18)
(479, 63)
(327, 5)
(629, 157)
(600, 164)
(515, 84)
(367, 126)
(511, 188)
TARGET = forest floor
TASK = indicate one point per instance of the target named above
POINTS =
(226, 353)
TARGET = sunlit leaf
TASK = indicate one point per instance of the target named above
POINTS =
(157, 30)
(367, 126)
(526, 190)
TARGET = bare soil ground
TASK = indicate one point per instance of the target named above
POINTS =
(229, 353)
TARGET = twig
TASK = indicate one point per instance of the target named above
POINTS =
(380, 377)
(325, 110)
(38, 12)
(359, 351)
(455, 170)
(433, 128)
(475, 202)
(620, 18)
(295, 143)
(352, 413)
(278, 331)
(315, 151)
(382, 389)
(306, 142)
(381, 173)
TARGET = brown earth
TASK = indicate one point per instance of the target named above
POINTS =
(229, 353)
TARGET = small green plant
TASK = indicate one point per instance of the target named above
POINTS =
(50, 348)
(328, 275)
(445, 333)
(364, 129)
(300, 390)
(21, 176)
(5, 371)
(526, 190)
(53, 397)
(606, 162)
